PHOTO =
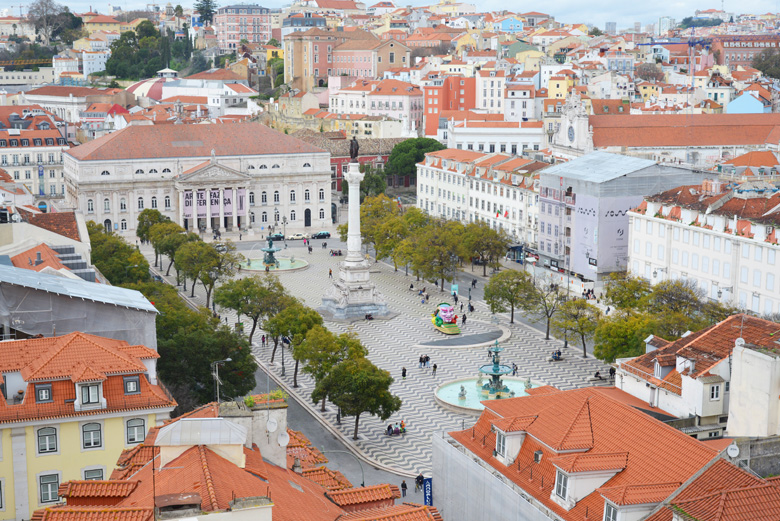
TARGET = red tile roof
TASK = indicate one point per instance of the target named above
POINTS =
(193, 141)
(591, 462)
(354, 496)
(94, 488)
(27, 259)
(77, 92)
(639, 494)
(62, 223)
(61, 513)
(405, 512)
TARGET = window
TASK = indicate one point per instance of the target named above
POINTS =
(106, 205)
(154, 202)
(500, 443)
(123, 224)
(561, 484)
(715, 392)
(140, 203)
(292, 215)
(90, 393)
(43, 393)
(264, 217)
(50, 484)
(166, 170)
(93, 474)
(167, 202)
(306, 196)
(91, 435)
(136, 431)
(47, 440)
(153, 171)
(306, 165)
(132, 385)
(90, 206)
(105, 172)
(139, 171)
(276, 196)
(322, 194)
(610, 512)
(263, 197)
(322, 213)
(251, 198)
(292, 196)
(122, 204)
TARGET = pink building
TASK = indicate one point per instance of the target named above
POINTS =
(392, 98)
(234, 23)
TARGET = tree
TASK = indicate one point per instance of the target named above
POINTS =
(374, 183)
(253, 296)
(768, 62)
(434, 251)
(146, 219)
(595, 32)
(406, 154)
(621, 335)
(117, 260)
(199, 63)
(486, 244)
(507, 289)
(225, 267)
(374, 211)
(412, 221)
(195, 258)
(579, 318)
(47, 17)
(178, 12)
(676, 296)
(294, 322)
(146, 29)
(167, 237)
(273, 42)
(626, 292)
(206, 10)
(358, 386)
(322, 350)
(542, 301)
(649, 72)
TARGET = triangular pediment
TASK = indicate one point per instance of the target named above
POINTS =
(212, 172)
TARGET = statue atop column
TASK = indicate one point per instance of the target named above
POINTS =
(353, 150)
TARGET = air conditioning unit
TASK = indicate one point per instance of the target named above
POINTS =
(538, 456)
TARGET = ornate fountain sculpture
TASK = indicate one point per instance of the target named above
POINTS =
(268, 258)
(495, 388)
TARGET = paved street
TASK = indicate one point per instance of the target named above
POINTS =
(397, 343)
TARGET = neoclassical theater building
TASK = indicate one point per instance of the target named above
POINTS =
(204, 177)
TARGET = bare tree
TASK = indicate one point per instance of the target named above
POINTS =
(47, 17)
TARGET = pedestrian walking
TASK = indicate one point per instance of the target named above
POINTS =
(434, 370)
(461, 307)
(474, 283)
(427, 361)
(403, 373)
(239, 236)
(514, 369)
(489, 353)
(330, 273)
(403, 488)
(262, 341)
(422, 362)
(464, 319)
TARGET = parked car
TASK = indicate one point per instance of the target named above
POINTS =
(276, 237)
(298, 235)
(320, 235)
(221, 248)
(156, 277)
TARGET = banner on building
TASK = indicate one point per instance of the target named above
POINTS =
(215, 203)
(428, 491)
(241, 202)
(188, 204)
(227, 201)
(202, 206)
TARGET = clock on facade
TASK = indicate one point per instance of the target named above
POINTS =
(571, 134)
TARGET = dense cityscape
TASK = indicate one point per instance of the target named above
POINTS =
(335, 261)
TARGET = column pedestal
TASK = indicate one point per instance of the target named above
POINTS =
(352, 294)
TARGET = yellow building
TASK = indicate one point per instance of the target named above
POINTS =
(558, 86)
(102, 23)
(530, 58)
(70, 405)
(272, 52)
(648, 90)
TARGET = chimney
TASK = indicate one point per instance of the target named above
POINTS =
(38, 259)
(297, 466)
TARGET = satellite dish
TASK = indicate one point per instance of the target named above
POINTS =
(271, 424)
(739, 342)
(732, 451)
(283, 439)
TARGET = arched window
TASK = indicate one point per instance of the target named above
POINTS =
(139, 171)
(276, 196)
(90, 206)
(251, 167)
(306, 165)
(136, 431)
(292, 196)
(322, 194)
(154, 202)
(167, 202)
(123, 224)
(140, 203)
(292, 215)
(123, 204)
(263, 197)
(106, 205)
(47, 440)
(264, 217)
(263, 167)
(105, 172)
(275, 166)
(166, 170)
(91, 435)
(251, 198)
(306, 196)
(322, 213)
(276, 216)
(153, 171)
(252, 217)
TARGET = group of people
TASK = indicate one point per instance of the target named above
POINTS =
(397, 429)
(612, 372)
(418, 485)
(557, 355)
(588, 294)
(425, 363)
(336, 253)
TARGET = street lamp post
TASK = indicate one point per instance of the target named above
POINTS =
(283, 371)
(215, 372)
(284, 229)
(128, 267)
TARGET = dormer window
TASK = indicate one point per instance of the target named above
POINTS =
(90, 394)
(43, 393)
(500, 443)
(610, 512)
(561, 485)
(132, 385)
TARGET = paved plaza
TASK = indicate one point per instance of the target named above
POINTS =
(399, 342)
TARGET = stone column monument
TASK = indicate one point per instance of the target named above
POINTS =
(352, 295)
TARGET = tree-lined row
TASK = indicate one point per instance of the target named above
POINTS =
(432, 248)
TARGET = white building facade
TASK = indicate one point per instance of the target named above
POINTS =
(505, 137)
(490, 91)
(216, 177)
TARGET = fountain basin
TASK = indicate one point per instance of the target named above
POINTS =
(447, 394)
(283, 265)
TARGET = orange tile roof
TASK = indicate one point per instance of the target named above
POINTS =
(570, 419)
(27, 259)
(77, 92)
(355, 496)
(62, 513)
(591, 462)
(639, 494)
(326, 478)
(404, 512)
(62, 223)
(96, 489)
(514, 424)
(216, 74)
